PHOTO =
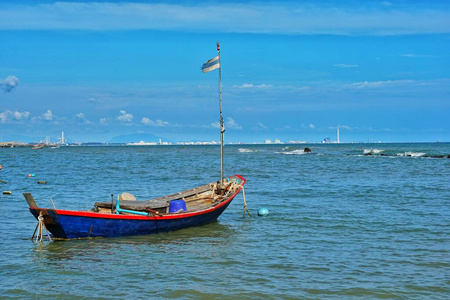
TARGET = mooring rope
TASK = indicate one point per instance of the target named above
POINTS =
(245, 203)
(40, 229)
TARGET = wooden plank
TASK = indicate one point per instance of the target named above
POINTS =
(184, 194)
(135, 205)
(157, 202)
(30, 200)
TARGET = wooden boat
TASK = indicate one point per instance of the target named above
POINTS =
(127, 216)
(118, 218)
(37, 146)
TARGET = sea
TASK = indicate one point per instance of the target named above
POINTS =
(346, 221)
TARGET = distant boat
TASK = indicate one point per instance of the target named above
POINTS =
(38, 146)
(126, 216)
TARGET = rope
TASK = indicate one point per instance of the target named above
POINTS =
(53, 203)
(40, 230)
(245, 203)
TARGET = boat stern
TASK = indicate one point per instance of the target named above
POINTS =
(50, 217)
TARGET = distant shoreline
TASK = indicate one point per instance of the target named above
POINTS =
(93, 144)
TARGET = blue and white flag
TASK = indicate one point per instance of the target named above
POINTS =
(211, 64)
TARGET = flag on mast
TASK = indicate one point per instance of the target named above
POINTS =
(211, 64)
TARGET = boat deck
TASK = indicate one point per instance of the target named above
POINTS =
(196, 199)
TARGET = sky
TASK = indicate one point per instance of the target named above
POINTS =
(291, 70)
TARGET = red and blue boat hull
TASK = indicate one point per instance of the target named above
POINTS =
(64, 224)
(67, 224)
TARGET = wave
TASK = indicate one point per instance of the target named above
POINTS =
(294, 152)
(412, 154)
(244, 150)
(372, 151)
(391, 153)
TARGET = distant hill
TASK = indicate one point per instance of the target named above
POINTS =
(136, 138)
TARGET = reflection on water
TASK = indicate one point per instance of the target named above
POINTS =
(212, 236)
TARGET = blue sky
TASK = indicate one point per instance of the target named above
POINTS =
(292, 70)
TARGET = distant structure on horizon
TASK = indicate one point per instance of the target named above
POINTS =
(337, 136)
(62, 139)
(327, 140)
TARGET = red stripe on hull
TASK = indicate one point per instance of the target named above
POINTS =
(67, 224)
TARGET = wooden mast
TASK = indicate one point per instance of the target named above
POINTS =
(222, 128)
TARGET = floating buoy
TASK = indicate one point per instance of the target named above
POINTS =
(7, 192)
(1, 167)
(42, 182)
(30, 175)
(263, 211)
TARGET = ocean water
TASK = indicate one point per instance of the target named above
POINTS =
(346, 221)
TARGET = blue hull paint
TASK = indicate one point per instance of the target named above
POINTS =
(66, 224)
(63, 226)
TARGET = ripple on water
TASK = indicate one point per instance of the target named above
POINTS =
(340, 225)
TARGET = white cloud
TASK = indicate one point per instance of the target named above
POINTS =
(16, 116)
(158, 123)
(252, 86)
(309, 126)
(345, 66)
(124, 117)
(244, 86)
(9, 83)
(105, 121)
(48, 115)
(261, 126)
(292, 18)
(414, 55)
(359, 129)
(161, 123)
(378, 84)
(3, 117)
(334, 128)
(147, 121)
(81, 117)
(230, 123)
(215, 125)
